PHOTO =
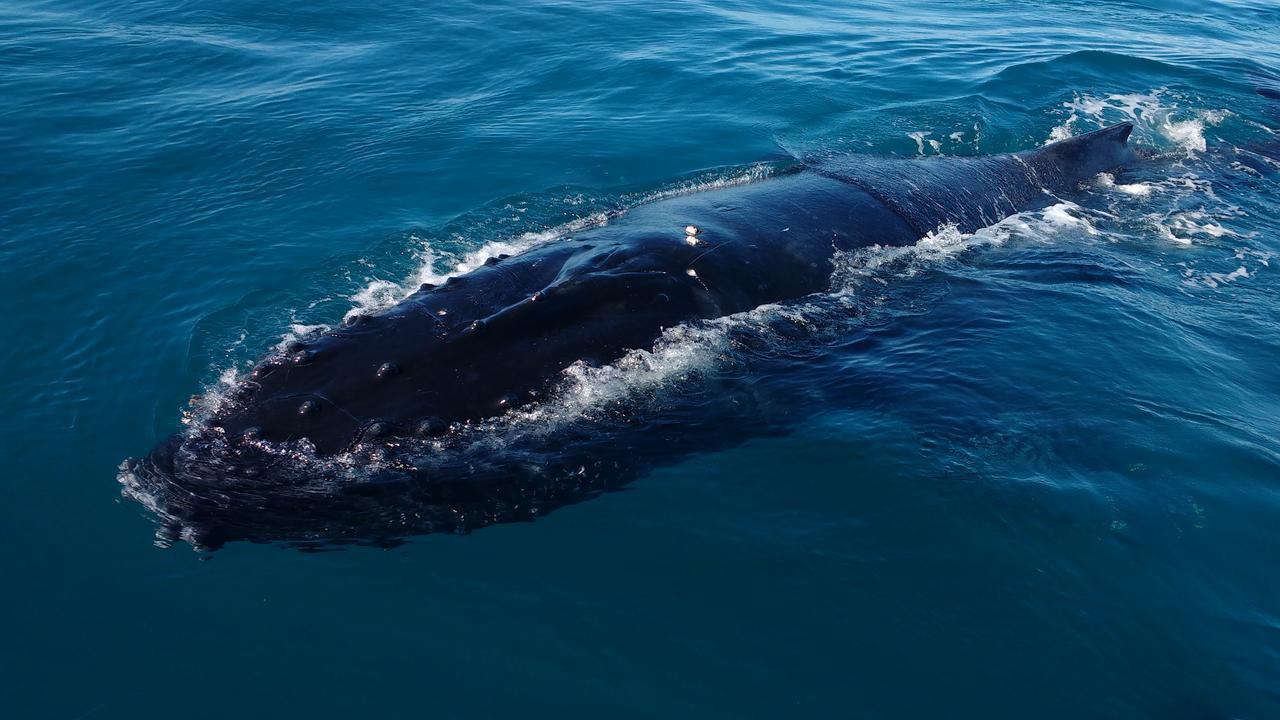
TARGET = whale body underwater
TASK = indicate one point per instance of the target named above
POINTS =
(502, 335)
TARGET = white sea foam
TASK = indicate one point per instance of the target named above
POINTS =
(1259, 256)
(1214, 279)
(1108, 182)
(1062, 215)
(299, 331)
(204, 406)
(681, 353)
(1157, 115)
(1183, 227)
(882, 264)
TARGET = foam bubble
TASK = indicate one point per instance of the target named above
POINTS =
(1261, 257)
(1063, 130)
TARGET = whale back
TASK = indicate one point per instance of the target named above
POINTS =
(975, 192)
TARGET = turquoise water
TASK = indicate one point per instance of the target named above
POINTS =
(1035, 474)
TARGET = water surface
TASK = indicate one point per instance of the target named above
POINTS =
(1032, 472)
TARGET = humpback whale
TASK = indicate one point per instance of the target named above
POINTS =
(501, 336)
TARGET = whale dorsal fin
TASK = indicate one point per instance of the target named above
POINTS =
(1083, 156)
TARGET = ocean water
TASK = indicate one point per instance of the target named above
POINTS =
(1029, 472)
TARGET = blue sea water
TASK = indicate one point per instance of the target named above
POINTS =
(1035, 472)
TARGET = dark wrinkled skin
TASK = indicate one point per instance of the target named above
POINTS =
(499, 337)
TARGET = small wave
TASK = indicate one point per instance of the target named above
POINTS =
(753, 173)
(380, 294)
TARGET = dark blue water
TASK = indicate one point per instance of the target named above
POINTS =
(1032, 472)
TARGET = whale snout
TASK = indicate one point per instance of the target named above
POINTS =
(207, 488)
(158, 482)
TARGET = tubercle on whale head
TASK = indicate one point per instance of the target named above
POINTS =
(343, 397)
(328, 390)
